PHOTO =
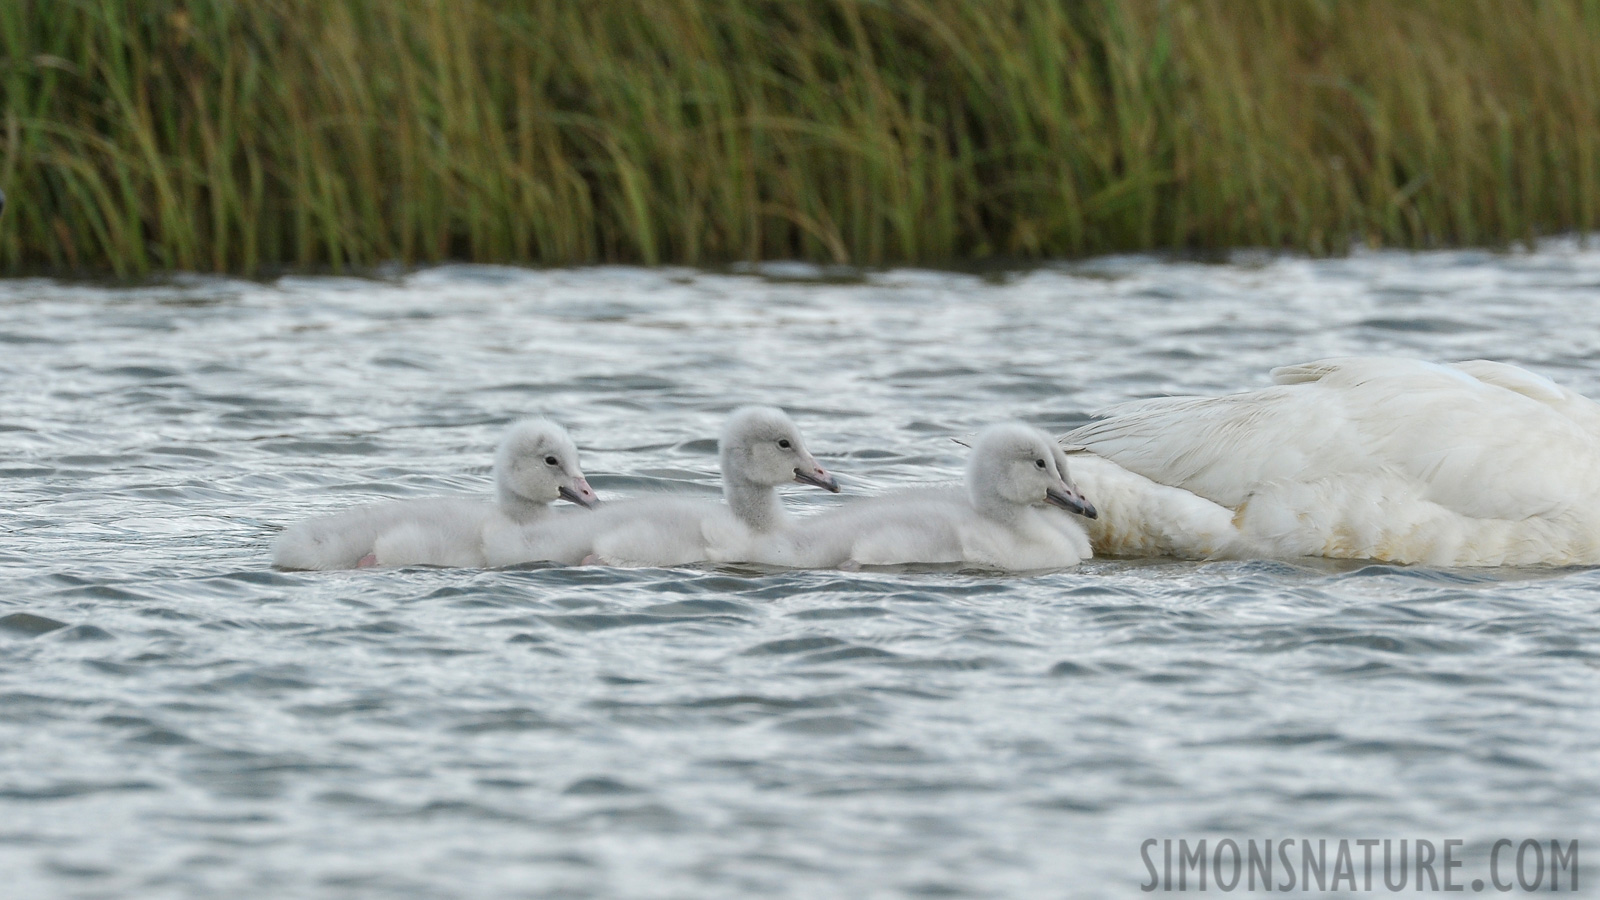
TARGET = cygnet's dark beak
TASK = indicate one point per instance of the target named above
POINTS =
(818, 476)
(580, 493)
(1069, 498)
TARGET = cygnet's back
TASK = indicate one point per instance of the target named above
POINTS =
(760, 449)
(536, 464)
(996, 520)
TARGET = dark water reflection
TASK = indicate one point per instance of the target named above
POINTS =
(176, 719)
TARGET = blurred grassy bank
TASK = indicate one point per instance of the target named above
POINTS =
(236, 136)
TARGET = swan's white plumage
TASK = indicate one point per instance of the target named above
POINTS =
(1139, 517)
(760, 449)
(535, 465)
(1477, 463)
(994, 521)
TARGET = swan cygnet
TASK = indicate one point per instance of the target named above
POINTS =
(535, 465)
(1474, 463)
(999, 520)
(759, 450)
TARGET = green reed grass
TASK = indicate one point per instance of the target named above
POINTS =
(145, 135)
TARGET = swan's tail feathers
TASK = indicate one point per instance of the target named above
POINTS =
(1513, 378)
(1350, 368)
(1301, 373)
(1353, 370)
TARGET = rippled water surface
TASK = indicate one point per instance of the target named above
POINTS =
(177, 719)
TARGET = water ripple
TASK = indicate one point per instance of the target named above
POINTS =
(177, 719)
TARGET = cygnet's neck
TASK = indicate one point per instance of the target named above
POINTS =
(517, 507)
(987, 500)
(755, 505)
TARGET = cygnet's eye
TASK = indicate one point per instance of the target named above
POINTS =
(1039, 463)
(784, 444)
(551, 461)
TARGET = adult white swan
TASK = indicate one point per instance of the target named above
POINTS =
(997, 520)
(760, 449)
(1470, 464)
(537, 464)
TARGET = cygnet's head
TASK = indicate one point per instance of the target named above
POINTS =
(538, 463)
(1022, 465)
(760, 445)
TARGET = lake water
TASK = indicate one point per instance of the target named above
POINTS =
(177, 719)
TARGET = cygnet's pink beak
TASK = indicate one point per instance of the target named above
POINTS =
(817, 475)
(1067, 496)
(580, 493)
